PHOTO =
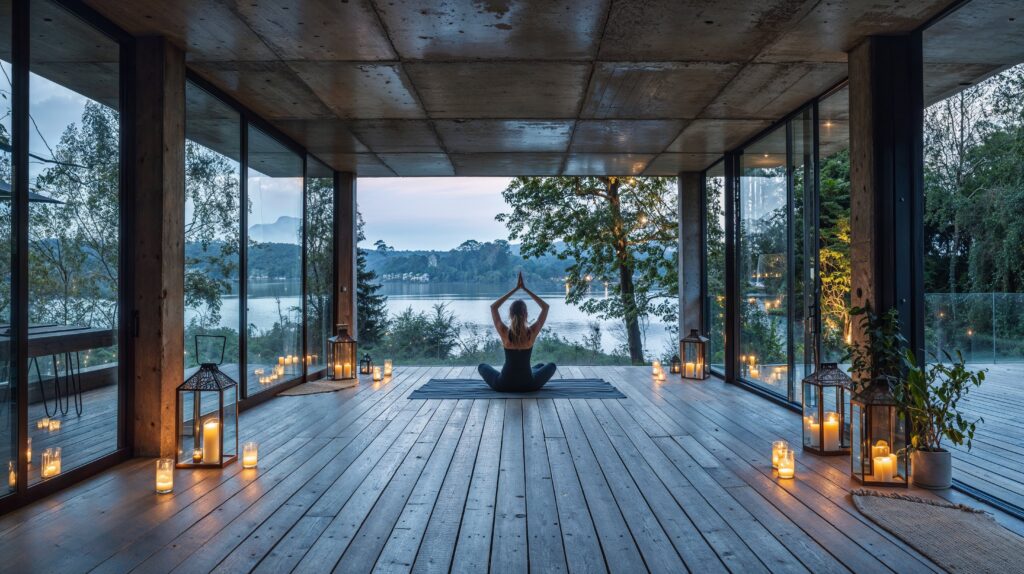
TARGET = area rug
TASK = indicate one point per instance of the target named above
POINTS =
(554, 389)
(956, 537)
(315, 387)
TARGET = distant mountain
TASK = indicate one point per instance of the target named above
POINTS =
(285, 230)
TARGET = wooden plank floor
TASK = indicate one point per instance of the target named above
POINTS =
(677, 477)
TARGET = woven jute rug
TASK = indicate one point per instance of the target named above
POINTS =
(958, 538)
(315, 387)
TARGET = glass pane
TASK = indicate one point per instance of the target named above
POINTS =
(834, 224)
(802, 237)
(319, 261)
(714, 186)
(212, 224)
(274, 264)
(74, 242)
(8, 404)
(763, 263)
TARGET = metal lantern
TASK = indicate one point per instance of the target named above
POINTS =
(676, 366)
(207, 415)
(693, 350)
(341, 355)
(366, 365)
(826, 410)
(878, 430)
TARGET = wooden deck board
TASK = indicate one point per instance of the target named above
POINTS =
(367, 480)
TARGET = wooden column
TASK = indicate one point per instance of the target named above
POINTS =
(159, 243)
(691, 252)
(886, 179)
(345, 251)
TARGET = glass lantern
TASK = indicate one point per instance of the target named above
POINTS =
(366, 365)
(341, 355)
(675, 366)
(878, 430)
(826, 411)
(693, 352)
(207, 416)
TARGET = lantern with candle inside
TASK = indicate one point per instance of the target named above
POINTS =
(693, 353)
(676, 366)
(826, 411)
(164, 475)
(207, 415)
(366, 365)
(878, 433)
(341, 356)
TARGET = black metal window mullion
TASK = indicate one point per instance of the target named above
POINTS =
(732, 319)
(243, 258)
(303, 305)
(19, 247)
(790, 264)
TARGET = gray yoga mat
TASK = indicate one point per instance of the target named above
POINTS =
(554, 389)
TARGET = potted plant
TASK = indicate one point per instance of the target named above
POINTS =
(931, 394)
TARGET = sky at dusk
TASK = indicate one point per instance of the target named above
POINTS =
(431, 212)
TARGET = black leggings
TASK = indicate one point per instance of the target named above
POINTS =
(541, 374)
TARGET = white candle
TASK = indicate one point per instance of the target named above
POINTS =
(337, 371)
(347, 371)
(211, 442)
(787, 464)
(164, 475)
(54, 425)
(755, 373)
(881, 448)
(250, 454)
(831, 431)
(883, 469)
(12, 475)
(388, 367)
(377, 374)
(43, 423)
(691, 370)
(779, 448)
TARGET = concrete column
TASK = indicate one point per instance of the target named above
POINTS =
(691, 252)
(886, 179)
(158, 242)
(345, 251)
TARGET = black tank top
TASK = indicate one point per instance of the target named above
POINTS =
(517, 365)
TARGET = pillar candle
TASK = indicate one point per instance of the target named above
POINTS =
(691, 370)
(337, 371)
(347, 370)
(164, 475)
(881, 448)
(883, 469)
(250, 454)
(831, 431)
(211, 442)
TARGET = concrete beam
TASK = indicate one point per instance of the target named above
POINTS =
(345, 251)
(691, 252)
(159, 242)
(886, 180)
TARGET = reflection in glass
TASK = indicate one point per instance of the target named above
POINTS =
(763, 263)
(74, 241)
(834, 224)
(803, 273)
(319, 258)
(8, 404)
(212, 223)
(714, 189)
(274, 263)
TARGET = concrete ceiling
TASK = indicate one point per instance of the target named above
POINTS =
(533, 87)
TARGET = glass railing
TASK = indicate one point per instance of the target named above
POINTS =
(985, 327)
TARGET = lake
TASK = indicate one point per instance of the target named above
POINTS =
(470, 302)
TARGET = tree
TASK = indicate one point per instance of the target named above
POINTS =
(617, 231)
(371, 306)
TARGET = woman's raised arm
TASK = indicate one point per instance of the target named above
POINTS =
(539, 323)
(496, 310)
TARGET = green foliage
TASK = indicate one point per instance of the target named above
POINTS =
(931, 398)
(617, 231)
(879, 357)
(371, 306)
(472, 261)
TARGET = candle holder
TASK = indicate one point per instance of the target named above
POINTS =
(378, 375)
(878, 428)
(787, 464)
(164, 475)
(250, 454)
(207, 416)
(779, 448)
(388, 367)
(693, 353)
(51, 462)
(341, 356)
(826, 411)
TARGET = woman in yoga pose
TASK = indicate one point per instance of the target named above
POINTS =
(517, 337)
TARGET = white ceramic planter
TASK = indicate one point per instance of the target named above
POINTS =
(932, 469)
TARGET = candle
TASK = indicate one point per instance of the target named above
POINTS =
(787, 464)
(812, 430)
(211, 442)
(197, 455)
(28, 451)
(51, 463)
(779, 448)
(250, 454)
(755, 372)
(12, 475)
(43, 423)
(347, 371)
(54, 425)
(164, 475)
(700, 369)
(831, 431)
(883, 468)
(377, 374)
(280, 361)
(691, 370)
(388, 367)
(337, 371)
(881, 448)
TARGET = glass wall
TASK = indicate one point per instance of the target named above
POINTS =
(834, 224)
(273, 294)
(8, 397)
(74, 242)
(802, 270)
(763, 261)
(212, 230)
(714, 193)
(319, 261)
